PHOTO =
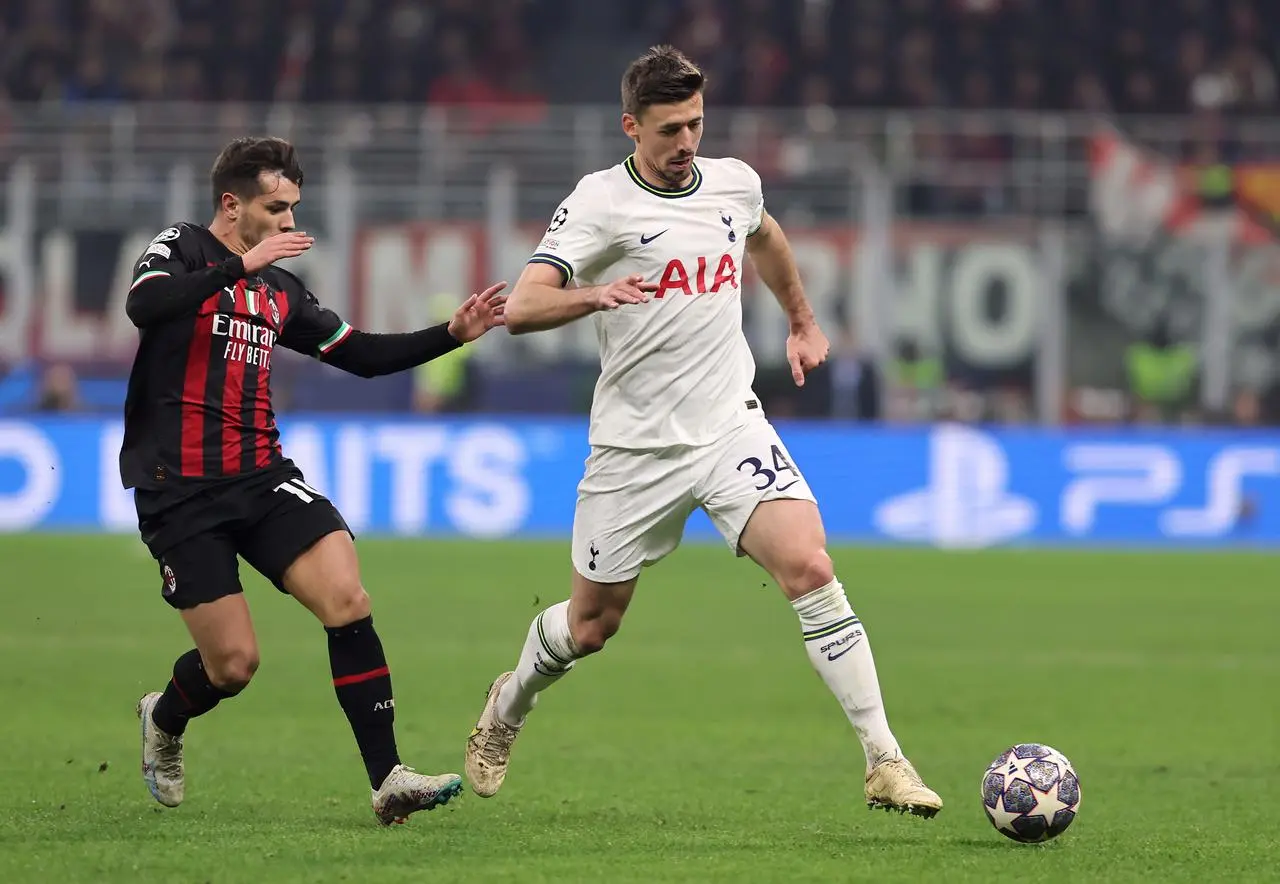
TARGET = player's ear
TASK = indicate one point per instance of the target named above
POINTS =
(630, 125)
(231, 206)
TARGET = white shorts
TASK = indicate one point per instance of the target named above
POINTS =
(633, 504)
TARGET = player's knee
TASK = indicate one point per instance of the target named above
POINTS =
(232, 671)
(347, 604)
(806, 572)
(590, 634)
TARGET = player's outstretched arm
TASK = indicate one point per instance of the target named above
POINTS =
(771, 254)
(319, 332)
(540, 301)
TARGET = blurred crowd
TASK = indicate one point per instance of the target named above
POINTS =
(286, 50)
(1136, 56)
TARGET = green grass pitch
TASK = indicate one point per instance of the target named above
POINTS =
(699, 747)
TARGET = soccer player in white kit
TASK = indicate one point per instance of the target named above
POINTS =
(652, 249)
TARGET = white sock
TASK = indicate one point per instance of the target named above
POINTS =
(838, 649)
(549, 652)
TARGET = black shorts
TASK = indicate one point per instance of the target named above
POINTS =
(268, 519)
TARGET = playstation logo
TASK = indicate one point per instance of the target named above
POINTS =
(967, 502)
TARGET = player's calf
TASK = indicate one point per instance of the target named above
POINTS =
(549, 652)
(164, 718)
(195, 689)
(362, 683)
(786, 538)
(837, 645)
(326, 579)
(559, 636)
(839, 650)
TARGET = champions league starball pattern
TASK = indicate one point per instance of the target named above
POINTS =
(1031, 793)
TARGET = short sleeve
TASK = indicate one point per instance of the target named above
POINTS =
(578, 235)
(312, 329)
(755, 198)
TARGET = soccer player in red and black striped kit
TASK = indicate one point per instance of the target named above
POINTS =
(201, 449)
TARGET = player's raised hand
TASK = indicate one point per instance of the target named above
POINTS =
(276, 248)
(807, 348)
(479, 313)
(628, 290)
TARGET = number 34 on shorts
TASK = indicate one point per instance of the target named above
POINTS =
(752, 466)
(782, 476)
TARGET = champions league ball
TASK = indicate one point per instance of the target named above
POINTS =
(1031, 793)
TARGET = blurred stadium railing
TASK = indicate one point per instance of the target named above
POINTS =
(999, 266)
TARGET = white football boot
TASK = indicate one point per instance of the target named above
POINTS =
(161, 756)
(406, 791)
(489, 746)
(893, 784)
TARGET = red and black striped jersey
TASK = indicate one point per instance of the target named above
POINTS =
(199, 399)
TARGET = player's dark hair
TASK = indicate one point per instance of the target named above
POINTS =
(237, 168)
(661, 76)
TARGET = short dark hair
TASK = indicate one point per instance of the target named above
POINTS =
(663, 75)
(237, 168)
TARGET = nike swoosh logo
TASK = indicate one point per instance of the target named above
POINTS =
(843, 652)
(645, 240)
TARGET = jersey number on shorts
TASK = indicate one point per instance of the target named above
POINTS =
(299, 489)
(771, 476)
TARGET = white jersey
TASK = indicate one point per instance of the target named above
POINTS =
(676, 370)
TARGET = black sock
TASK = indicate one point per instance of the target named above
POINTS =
(362, 682)
(187, 695)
